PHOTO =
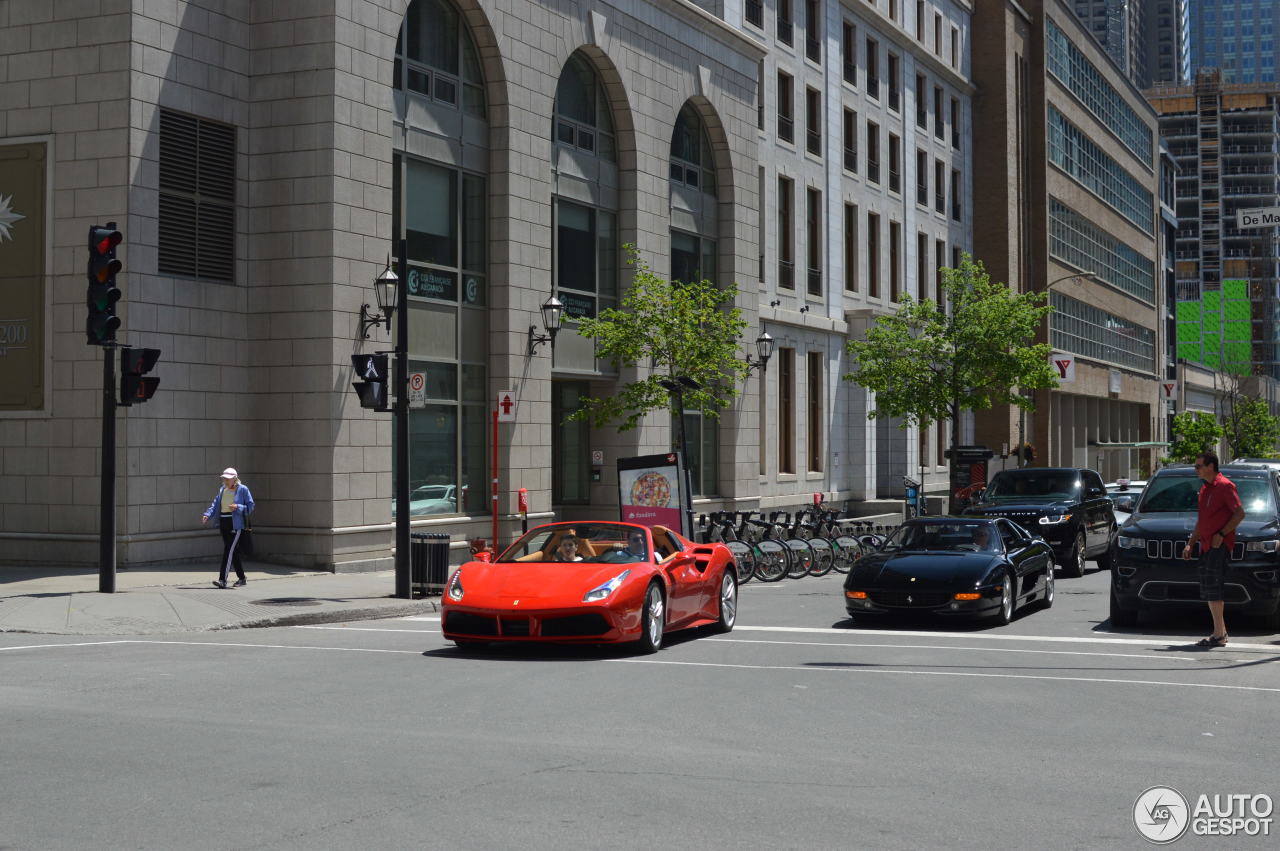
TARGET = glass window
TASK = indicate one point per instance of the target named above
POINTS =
(571, 475)
(692, 258)
(1081, 158)
(1093, 333)
(585, 258)
(582, 116)
(1079, 242)
(692, 161)
(435, 56)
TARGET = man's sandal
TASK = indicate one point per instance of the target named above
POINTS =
(1213, 641)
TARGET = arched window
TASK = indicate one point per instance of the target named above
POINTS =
(440, 215)
(435, 56)
(582, 116)
(691, 161)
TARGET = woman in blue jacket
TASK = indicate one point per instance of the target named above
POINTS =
(232, 506)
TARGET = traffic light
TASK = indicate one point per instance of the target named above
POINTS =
(101, 323)
(135, 384)
(372, 388)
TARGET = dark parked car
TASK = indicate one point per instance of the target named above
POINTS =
(1067, 506)
(1150, 571)
(966, 566)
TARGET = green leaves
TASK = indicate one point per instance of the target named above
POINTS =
(677, 329)
(1251, 430)
(1193, 432)
(926, 364)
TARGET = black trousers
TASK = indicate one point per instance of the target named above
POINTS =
(230, 548)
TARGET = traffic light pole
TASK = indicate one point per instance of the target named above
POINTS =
(400, 429)
(107, 517)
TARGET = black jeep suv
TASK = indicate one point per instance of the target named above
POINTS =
(1066, 506)
(1150, 571)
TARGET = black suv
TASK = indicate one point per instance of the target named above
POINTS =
(1066, 506)
(1150, 571)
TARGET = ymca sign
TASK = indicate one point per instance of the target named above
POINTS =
(1169, 391)
(1064, 367)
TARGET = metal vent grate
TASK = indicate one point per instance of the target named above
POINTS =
(197, 232)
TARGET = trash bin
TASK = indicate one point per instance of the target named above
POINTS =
(912, 507)
(429, 562)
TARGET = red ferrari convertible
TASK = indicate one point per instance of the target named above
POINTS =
(592, 583)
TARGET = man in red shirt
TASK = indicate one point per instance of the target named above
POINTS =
(1220, 512)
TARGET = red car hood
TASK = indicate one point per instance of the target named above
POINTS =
(534, 581)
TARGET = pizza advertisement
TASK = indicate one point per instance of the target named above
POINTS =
(649, 490)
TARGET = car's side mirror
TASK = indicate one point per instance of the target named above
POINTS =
(1096, 492)
(875, 542)
(1123, 503)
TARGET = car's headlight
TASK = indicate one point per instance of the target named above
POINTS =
(1051, 519)
(1125, 542)
(1262, 546)
(455, 586)
(601, 591)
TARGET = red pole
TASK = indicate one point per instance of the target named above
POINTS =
(495, 480)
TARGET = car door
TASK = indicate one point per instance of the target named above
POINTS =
(1099, 516)
(1015, 549)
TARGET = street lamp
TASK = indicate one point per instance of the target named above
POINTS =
(1088, 276)
(764, 351)
(676, 385)
(552, 310)
(386, 290)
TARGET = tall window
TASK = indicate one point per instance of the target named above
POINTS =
(813, 30)
(815, 379)
(955, 194)
(937, 34)
(692, 163)
(786, 410)
(955, 124)
(940, 263)
(850, 248)
(873, 255)
(920, 21)
(922, 178)
(570, 445)
(895, 163)
(955, 47)
(895, 82)
(873, 69)
(938, 131)
(704, 453)
(784, 21)
(586, 258)
(893, 10)
(197, 199)
(895, 261)
(922, 266)
(786, 235)
(813, 224)
(940, 186)
(786, 122)
(873, 152)
(813, 121)
(444, 231)
(755, 13)
(849, 53)
(850, 141)
(922, 103)
(582, 116)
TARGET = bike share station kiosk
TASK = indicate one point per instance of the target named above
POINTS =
(968, 473)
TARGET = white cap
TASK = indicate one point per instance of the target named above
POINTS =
(230, 473)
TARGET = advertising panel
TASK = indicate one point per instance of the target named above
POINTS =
(649, 490)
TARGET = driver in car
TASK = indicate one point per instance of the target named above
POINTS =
(982, 538)
(636, 548)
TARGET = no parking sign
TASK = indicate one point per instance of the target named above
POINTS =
(417, 388)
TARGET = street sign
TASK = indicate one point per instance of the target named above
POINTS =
(506, 406)
(1258, 217)
(417, 389)
(1064, 366)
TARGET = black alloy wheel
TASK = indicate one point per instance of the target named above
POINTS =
(1008, 601)
(1046, 601)
(1075, 561)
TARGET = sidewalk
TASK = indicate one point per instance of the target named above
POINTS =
(148, 601)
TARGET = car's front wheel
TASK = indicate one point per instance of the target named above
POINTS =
(1074, 566)
(1047, 600)
(653, 620)
(1008, 602)
(728, 603)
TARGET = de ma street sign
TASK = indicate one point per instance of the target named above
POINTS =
(1258, 217)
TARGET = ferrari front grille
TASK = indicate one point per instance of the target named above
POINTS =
(465, 623)
(909, 599)
(589, 624)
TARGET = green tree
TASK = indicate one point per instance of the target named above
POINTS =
(1250, 428)
(927, 364)
(1193, 432)
(680, 329)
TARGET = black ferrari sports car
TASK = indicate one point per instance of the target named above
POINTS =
(967, 566)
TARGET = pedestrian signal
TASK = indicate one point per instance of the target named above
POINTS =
(371, 370)
(135, 385)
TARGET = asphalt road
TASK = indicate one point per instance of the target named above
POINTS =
(799, 729)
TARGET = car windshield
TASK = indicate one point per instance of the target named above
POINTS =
(1010, 485)
(1168, 494)
(573, 542)
(944, 537)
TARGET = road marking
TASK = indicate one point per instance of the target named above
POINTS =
(67, 644)
(846, 670)
(1052, 639)
(429, 618)
(363, 628)
(1161, 657)
(271, 646)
